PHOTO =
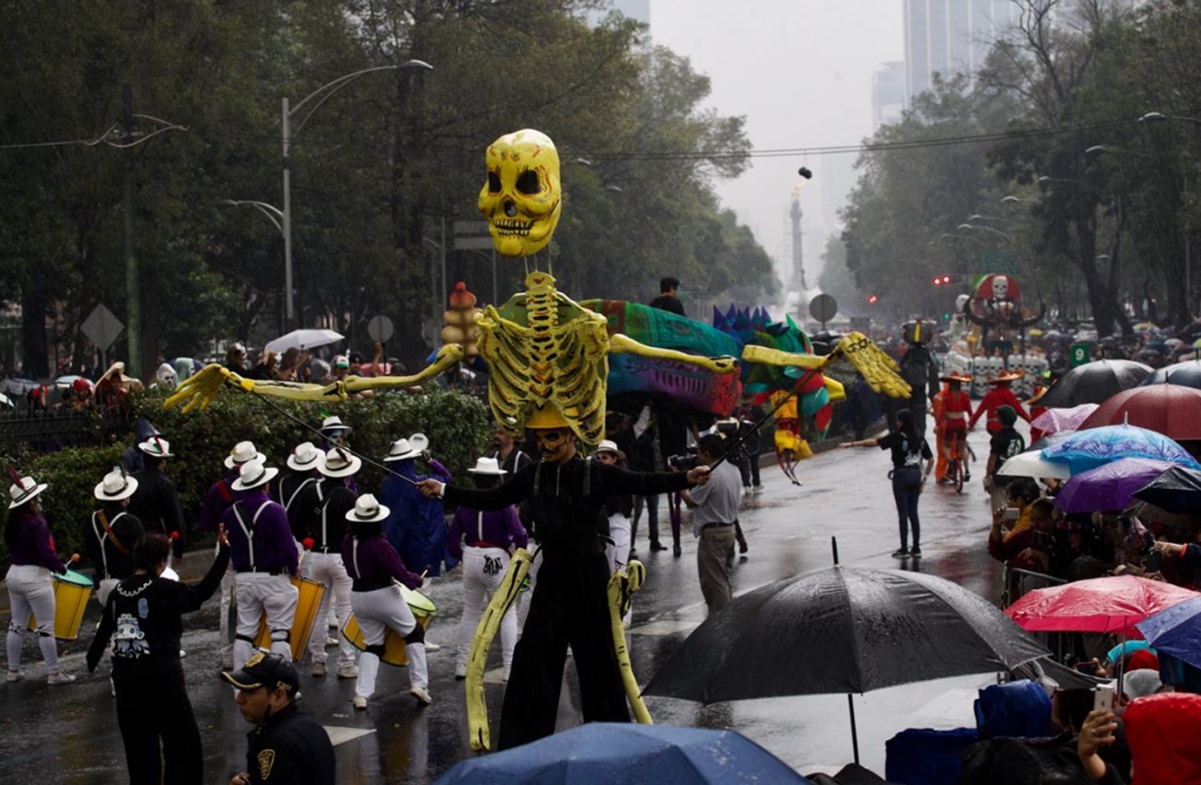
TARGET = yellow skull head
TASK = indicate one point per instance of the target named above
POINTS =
(522, 199)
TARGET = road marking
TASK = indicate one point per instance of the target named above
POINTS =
(665, 627)
(339, 735)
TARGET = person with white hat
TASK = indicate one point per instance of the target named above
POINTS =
(375, 568)
(112, 532)
(30, 589)
(217, 500)
(336, 433)
(264, 556)
(156, 501)
(417, 527)
(618, 510)
(302, 477)
(324, 562)
(491, 536)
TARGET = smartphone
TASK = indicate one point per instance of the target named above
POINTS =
(1103, 697)
(1011, 513)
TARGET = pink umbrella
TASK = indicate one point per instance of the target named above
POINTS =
(1099, 605)
(1056, 420)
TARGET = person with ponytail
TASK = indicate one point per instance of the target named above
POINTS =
(909, 450)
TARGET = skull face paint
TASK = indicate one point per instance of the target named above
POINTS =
(555, 444)
(521, 199)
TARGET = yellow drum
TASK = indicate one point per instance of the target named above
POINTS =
(311, 593)
(423, 609)
(71, 593)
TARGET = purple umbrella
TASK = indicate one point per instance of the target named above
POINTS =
(1060, 420)
(1109, 487)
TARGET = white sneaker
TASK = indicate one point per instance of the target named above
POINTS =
(14, 676)
(348, 671)
(360, 703)
(319, 669)
(460, 672)
(422, 695)
(430, 647)
(333, 622)
(60, 677)
(757, 489)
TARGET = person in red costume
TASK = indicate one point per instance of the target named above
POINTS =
(954, 412)
(1000, 395)
(1035, 410)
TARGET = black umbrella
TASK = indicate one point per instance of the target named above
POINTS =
(1185, 374)
(842, 630)
(1176, 490)
(1094, 382)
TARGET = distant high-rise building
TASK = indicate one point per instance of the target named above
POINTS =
(888, 94)
(950, 36)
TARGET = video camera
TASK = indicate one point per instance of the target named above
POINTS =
(685, 461)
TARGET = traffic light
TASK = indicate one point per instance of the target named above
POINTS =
(871, 299)
(942, 280)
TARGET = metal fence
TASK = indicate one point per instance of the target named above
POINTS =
(51, 430)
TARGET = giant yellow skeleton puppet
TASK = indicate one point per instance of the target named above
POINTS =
(547, 362)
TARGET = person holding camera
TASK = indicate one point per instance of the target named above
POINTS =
(714, 512)
(909, 449)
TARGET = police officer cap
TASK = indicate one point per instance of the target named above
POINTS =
(268, 670)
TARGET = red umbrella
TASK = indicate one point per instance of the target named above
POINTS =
(1098, 605)
(1170, 409)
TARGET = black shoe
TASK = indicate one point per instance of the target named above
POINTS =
(742, 545)
(900, 553)
(916, 552)
(633, 553)
(967, 476)
(657, 546)
(676, 550)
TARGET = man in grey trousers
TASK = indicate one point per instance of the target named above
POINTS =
(714, 507)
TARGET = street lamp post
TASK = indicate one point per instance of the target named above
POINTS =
(321, 94)
(276, 217)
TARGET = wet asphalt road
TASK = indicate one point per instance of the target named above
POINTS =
(68, 735)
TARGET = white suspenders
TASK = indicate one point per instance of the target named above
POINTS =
(249, 532)
(354, 556)
(295, 493)
(479, 526)
(101, 536)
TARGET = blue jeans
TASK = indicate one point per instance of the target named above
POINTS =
(906, 490)
(652, 517)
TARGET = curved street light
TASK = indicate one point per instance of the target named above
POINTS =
(1005, 235)
(321, 94)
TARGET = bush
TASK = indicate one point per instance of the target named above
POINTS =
(458, 427)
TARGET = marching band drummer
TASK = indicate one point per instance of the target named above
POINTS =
(264, 557)
(332, 499)
(30, 588)
(373, 565)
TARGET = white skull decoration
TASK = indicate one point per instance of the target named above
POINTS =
(522, 198)
(1000, 288)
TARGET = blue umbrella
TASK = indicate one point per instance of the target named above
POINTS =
(1176, 631)
(599, 753)
(1085, 450)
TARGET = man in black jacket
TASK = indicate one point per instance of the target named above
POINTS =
(156, 503)
(111, 532)
(286, 746)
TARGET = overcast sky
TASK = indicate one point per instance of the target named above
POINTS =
(801, 73)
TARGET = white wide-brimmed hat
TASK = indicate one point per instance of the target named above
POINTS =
(488, 466)
(338, 463)
(23, 490)
(156, 447)
(254, 473)
(304, 457)
(334, 424)
(608, 445)
(241, 453)
(367, 510)
(419, 442)
(115, 486)
(400, 450)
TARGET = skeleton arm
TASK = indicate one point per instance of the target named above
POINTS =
(623, 344)
(199, 390)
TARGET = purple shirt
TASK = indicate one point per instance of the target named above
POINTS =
(34, 545)
(274, 548)
(499, 527)
(218, 499)
(372, 563)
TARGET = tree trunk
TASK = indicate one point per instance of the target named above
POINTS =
(35, 306)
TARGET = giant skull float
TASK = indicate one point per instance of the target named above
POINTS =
(997, 308)
(522, 198)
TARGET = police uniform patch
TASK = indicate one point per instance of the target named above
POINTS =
(266, 760)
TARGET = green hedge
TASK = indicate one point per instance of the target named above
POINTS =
(458, 426)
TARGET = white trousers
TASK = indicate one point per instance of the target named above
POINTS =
(327, 569)
(259, 593)
(31, 590)
(225, 642)
(376, 611)
(618, 549)
(483, 570)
